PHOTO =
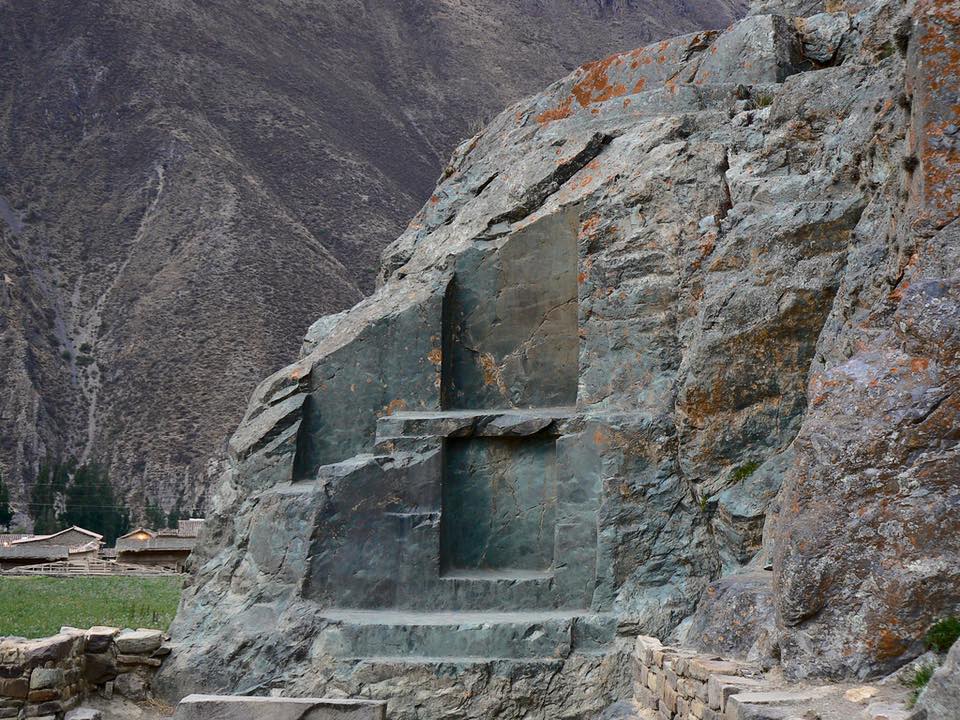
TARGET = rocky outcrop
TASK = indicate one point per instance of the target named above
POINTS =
(866, 542)
(941, 697)
(184, 188)
(477, 486)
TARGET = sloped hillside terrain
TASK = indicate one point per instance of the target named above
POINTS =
(185, 185)
(691, 313)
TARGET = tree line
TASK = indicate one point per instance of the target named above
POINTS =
(66, 493)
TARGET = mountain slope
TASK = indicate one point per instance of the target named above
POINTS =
(185, 185)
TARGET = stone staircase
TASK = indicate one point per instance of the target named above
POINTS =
(524, 635)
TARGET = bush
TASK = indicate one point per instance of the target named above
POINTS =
(943, 634)
(918, 682)
(744, 471)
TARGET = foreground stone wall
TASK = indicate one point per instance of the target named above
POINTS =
(49, 676)
(679, 683)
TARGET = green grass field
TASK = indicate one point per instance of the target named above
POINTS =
(39, 606)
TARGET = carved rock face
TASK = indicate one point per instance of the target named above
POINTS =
(570, 463)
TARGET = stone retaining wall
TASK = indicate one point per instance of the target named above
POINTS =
(680, 684)
(44, 678)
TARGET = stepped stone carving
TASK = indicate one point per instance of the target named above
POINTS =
(627, 347)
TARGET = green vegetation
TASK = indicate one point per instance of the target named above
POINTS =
(6, 513)
(762, 100)
(943, 634)
(65, 494)
(39, 606)
(886, 50)
(744, 471)
(154, 516)
(918, 682)
(46, 496)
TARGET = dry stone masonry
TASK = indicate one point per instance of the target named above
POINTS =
(673, 350)
(48, 677)
(675, 683)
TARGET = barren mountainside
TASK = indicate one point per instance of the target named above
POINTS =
(184, 186)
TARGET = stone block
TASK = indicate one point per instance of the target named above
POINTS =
(721, 687)
(9, 712)
(100, 638)
(139, 660)
(697, 709)
(14, 687)
(49, 650)
(680, 661)
(227, 707)
(670, 678)
(138, 642)
(653, 682)
(686, 687)
(668, 698)
(42, 678)
(99, 668)
(645, 647)
(11, 670)
(646, 698)
(45, 695)
(773, 703)
(131, 686)
(702, 668)
(50, 707)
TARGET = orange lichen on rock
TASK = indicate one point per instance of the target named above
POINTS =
(395, 406)
(589, 226)
(595, 85)
(562, 111)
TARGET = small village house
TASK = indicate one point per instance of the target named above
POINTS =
(159, 548)
(74, 543)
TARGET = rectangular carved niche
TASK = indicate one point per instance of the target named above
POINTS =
(510, 321)
(499, 505)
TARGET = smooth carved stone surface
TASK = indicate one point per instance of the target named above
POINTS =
(225, 707)
(510, 320)
(499, 504)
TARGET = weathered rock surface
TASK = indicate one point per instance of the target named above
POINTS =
(185, 187)
(214, 707)
(867, 541)
(941, 697)
(763, 319)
